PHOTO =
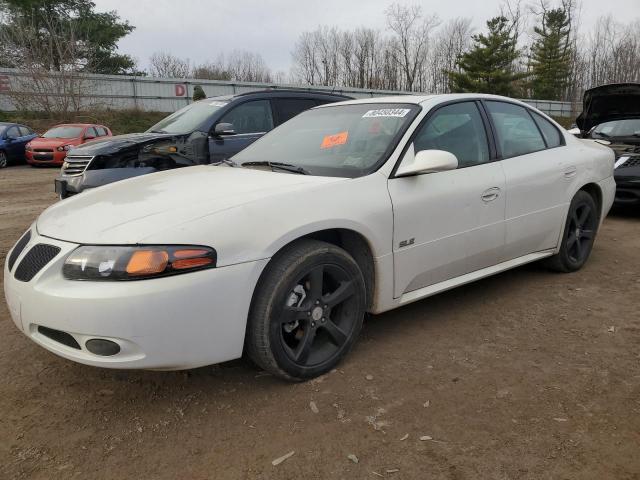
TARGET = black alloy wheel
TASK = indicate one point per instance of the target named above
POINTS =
(580, 231)
(307, 310)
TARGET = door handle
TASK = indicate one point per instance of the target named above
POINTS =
(570, 171)
(490, 194)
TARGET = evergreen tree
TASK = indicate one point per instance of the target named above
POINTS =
(489, 66)
(198, 93)
(38, 23)
(551, 56)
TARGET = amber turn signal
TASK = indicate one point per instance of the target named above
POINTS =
(147, 262)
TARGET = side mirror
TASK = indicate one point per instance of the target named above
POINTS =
(224, 129)
(426, 161)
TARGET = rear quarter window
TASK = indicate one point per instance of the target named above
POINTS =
(551, 134)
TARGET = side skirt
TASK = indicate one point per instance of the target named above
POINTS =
(430, 290)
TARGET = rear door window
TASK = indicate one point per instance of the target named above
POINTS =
(517, 132)
(288, 108)
(24, 131)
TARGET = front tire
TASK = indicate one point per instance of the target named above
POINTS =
(4, 161)
(579, 234)
(307, 310)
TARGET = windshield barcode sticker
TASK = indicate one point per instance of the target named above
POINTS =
(387, 112)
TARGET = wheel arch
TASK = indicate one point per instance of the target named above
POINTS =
(355, 243)
(595, 191)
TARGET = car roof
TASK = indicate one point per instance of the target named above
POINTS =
(283, 93)
(81, 125)
(419, 99)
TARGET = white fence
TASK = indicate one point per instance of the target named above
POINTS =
(170, 94)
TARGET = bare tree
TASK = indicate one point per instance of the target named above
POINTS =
(411, 38)
(162, 64)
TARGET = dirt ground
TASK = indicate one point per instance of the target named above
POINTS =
(526, 375)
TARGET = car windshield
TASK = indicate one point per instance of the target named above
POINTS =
(619, 128)
(339, 140)
(189, 118)
(63, 132)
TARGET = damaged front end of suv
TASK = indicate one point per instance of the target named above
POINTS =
(611, 115)
(126, 156)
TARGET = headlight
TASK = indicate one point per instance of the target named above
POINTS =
(28, 147)
(135, 263)
(64, 148)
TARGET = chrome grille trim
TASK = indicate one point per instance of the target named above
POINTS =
(76, 165)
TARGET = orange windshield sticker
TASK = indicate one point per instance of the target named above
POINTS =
(334, 140)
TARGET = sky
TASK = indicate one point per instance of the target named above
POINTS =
(202, 29)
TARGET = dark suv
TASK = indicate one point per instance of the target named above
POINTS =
(208, 131)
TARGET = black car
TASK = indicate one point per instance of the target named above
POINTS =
(207, 131)
(611, 113)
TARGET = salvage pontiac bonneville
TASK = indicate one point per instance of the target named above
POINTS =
(354, 207)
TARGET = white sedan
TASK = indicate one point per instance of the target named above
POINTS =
(360, 206)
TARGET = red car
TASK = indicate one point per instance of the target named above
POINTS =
(52, 147)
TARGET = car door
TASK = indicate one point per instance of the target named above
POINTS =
(13, 142)
(536, 178)
(250, 121)
(448, 223)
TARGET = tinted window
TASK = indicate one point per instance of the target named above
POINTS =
(13, 132)
(550, 132)
(250, 117)
(458, 129)
(517, 133)
(290, 107)
(91, 132)
(24, 131)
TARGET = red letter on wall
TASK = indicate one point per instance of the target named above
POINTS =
(181, 90)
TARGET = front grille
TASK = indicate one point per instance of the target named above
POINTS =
(17, 250)
(632, 162)
(35, 260)
(43, 150)
(76, 164)
(59, 336)
(43, 156)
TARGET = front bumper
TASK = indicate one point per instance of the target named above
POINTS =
(171, 323)
(627, 192)
(40, 158)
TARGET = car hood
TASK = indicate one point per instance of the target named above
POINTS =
(126, 212)
(110, 145)
(607, 103)
(52, 142)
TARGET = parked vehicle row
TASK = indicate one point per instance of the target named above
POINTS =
(19, 142)
(208, 131)
(278, 252)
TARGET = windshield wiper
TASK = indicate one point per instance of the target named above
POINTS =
(226, 161)
(279, 165)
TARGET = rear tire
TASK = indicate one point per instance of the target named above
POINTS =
(307, 310)
(579, 234)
